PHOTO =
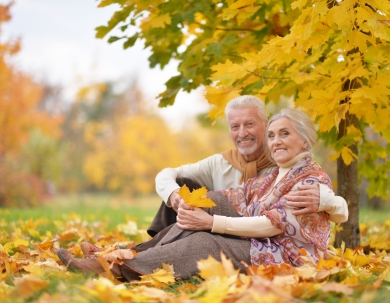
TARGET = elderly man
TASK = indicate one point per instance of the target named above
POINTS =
(246, 118)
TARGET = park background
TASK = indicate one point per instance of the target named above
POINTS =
(82, 135)
(86, 86)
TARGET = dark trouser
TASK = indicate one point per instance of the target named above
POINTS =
(166, 216)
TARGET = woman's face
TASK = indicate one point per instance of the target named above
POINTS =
(284, 142)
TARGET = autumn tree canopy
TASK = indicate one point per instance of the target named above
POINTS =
(331, 56)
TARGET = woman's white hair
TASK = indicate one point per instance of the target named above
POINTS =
(301, 123)
(247, 101)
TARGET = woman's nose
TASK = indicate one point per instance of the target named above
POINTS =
(277, 140)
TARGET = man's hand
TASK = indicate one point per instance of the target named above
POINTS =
(307, 197)
(175, 200)
(196, 219)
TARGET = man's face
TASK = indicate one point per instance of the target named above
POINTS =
(247, 131)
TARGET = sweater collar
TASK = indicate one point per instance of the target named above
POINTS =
(294, 160)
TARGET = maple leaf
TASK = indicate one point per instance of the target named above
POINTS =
(197, 198)
(210, 268)
(28, 285)
(107, 268)
(119, 255)
(159, 277)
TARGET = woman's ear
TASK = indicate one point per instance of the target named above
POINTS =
(304, 147)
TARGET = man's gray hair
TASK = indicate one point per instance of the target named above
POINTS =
(301, 123)
(247, 101)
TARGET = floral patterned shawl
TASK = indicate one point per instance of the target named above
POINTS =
(258, 196)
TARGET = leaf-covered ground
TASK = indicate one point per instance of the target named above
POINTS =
(30, 270)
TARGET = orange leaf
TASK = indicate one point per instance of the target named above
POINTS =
(107, 268)
(28, 285)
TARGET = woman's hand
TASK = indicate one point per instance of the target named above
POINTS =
(196, 219)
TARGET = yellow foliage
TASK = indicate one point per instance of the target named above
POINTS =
(156, 21)
(346, 274)
(159, 277)
(28, 285)
(220, 97)
(347, 155)
(19, 99)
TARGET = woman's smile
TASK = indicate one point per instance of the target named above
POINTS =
(284, 141)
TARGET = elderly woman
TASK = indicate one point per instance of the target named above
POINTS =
(250, 224)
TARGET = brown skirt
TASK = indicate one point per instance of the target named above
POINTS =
(183, 249)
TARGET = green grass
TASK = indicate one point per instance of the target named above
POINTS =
(114, 209)
(368, 215)
(92, 207)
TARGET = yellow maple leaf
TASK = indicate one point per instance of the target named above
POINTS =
(220, 97)
(306, 272)
(34, 269)
(119, 255)
(347, 155)
(156, 21)
(227, 73)
(353, 280)
(211, 268)
(18, 242)
(362, 260)
(157, 277)
(228, 266)
(349, 255)
(107, 268)
(197, 198)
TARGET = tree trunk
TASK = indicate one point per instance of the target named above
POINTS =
(347, 187)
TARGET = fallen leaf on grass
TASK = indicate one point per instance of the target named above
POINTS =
(119, 255)
(28, 285)
(268, 291)
(337, 288)
(283, 281)
(107, 268)
(273, 270)
(159, 278)
(210, 268)
(306, 272)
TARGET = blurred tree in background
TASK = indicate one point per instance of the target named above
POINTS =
(116, 143)
(107, 139)
(20, 117)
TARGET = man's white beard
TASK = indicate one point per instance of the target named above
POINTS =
(248, 150)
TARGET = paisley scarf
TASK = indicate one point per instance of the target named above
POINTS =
(308, 232)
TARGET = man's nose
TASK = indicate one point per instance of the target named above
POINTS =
(243, 132)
